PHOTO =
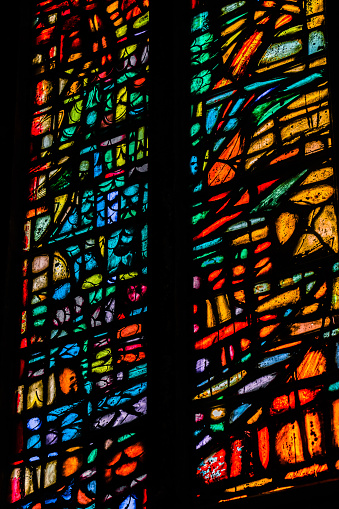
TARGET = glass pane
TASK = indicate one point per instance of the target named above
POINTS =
(81, 396)
(265, 248)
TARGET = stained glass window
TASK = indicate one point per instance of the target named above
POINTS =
(81, 395)
(262, 212)
(265, 248)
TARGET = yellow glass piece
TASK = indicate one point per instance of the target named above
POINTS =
(290, 8)
(60, 268)
(265, 127)
(199, 110)
(102, 365)
(112, 7)
(285, 226)
(325, 225)
(59, 203)
(261, 144)
(277, 64)
(335, 422)
(313, 146)
(218, 413)
(302, 111)
(223, 308)
(35, 395)
(40, 282)
(256, 235)
(129, 275)
(312, 470)
(221, 386)
(228, 52)
(75, 113)
(252, 484)
(313, 195)
(141, 21)
(206, 159)
(319, 62)
(125, 52)
(121, 154)
(120, 113)
(251, 160)
(316, 175)
(288, 444)
(75, 56)
(92, 281)
(259, 14)
(20, 399)
(255, 417)
(313, 364)
(29, 487)
(309, 124)
(233, 27)
(102, 245)
(307, 243)
(121, 31)
(306, 310)
(313, 433)
(284, 299)
(260, 234)
(51, 389)
(315, 21)
(237, 377)
(314, 6)
(50, 473)
(210, 320)
(335, 293)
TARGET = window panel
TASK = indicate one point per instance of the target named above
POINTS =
(81, 397)
(265, 248)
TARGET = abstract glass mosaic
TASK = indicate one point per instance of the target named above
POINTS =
(81, 396)
(265, 248)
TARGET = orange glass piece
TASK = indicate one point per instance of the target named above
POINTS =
(216, 225)
(214, 274)
(313, 364)
(282, 403)
(282, 20)
(236, 460)
(83, 499)
(313, 433)
(264, 446)
(335, 422)
(127, 468)
(134, 450)
(307, 395)
(288, 444)
(312, 470)
(287, 155)
(244, 55)
(71, 465)
(68, 381)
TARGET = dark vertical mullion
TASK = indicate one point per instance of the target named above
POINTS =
(15, 145)
(169, 344)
